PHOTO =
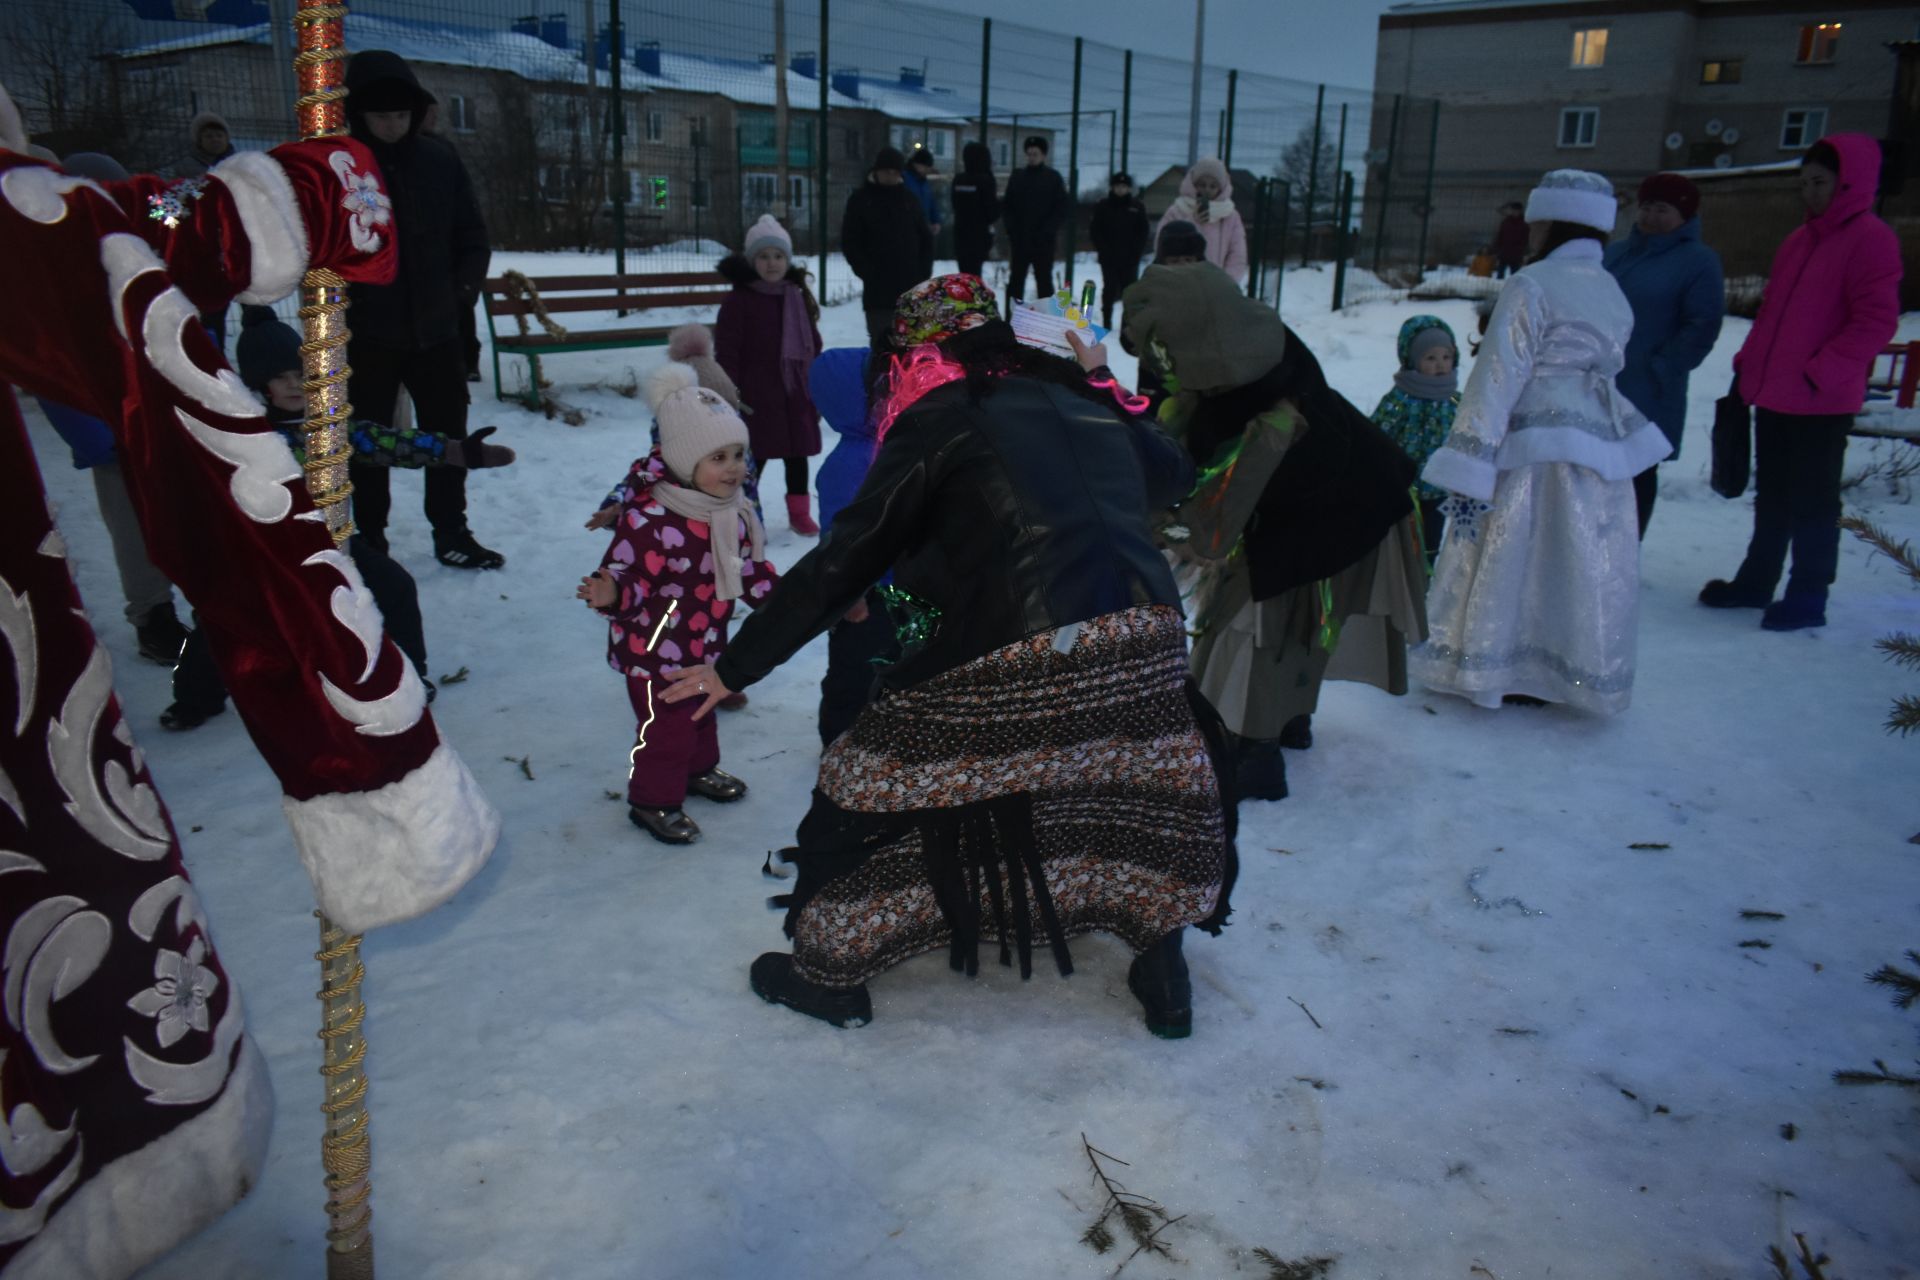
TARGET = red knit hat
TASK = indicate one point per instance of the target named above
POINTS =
(1673, 189)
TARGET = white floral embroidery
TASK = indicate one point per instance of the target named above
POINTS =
(178, 996)
(364, 200)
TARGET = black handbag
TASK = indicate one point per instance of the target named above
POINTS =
(1732, 443)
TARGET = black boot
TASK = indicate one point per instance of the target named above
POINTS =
(775, 981)
(1796, 611)
(1158, 979)
(459, 550)
(1722, 594)
(161, 635)
(1260, 771)
(1297, 733)
(717, 786)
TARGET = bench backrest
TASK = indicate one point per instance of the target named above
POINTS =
(611, 293)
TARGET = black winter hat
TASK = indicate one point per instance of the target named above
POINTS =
(268, 347)
(920, 155)
(1036, 141)
(889, 158)
(1180, 240)
(1119, 178)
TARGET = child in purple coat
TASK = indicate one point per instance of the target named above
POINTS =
(687, 548)
(765, 336)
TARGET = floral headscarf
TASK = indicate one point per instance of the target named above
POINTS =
(936, 309)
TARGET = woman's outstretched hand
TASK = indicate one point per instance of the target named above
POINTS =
(696, 682)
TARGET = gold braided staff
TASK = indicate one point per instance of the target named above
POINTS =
(320, 112)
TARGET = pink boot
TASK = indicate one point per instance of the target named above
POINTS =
(798, 518)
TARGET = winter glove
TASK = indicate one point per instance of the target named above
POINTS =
(474, 453)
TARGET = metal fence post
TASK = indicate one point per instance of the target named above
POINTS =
(1340, 153)
(1386, 186)
(1286, 216)
(619, 141)
(1313, 177)
(1073, 168)
(986, 66)
(1426, 203)
(1226, 134)
(1343, 210)
(825, 148)
(1258, 241)
(1126, 108)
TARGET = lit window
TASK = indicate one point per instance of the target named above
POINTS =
(1726, 71)
(1818, 43)
(1579, 126)
(1590, 47)
(1801, 127)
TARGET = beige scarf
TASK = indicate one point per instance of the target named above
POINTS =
(722, 516)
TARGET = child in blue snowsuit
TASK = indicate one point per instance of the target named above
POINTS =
(840, 381)
(1418, 412)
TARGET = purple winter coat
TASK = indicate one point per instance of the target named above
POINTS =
(746, 341)
(1832, 301)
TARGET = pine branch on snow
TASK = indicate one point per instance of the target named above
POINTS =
(1142, 1216)
(1813, 1266)
(1279, 1268)
(1906, 986)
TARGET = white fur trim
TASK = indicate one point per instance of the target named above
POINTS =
(1596, 209)
(276, 233)
(1609, 459)
(379, 857)
(13, 133)
(149, 1200)
(1455, 472)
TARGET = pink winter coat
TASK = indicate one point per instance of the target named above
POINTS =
(1224, 231)
(1832, 300)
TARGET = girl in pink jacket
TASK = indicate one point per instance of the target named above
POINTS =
(1831, 304)
(1206, 200)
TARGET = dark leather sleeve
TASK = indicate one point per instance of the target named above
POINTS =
(867, 535)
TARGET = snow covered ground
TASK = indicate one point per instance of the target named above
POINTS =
(571, 1078)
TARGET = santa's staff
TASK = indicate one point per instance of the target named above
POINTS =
(320, 68)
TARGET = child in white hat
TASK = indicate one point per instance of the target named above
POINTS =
(687, 550)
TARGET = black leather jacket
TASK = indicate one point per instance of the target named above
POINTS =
(1021, 513)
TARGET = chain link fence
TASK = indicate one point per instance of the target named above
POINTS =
(660, 129)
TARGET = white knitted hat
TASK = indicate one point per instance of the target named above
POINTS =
(768, 234)
(1574, 195)
(693, 420)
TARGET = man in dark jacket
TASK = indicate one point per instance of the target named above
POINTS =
(408, 333)
(976, 207)
(887, 242)
(1033, 210)
(1510, 240)
(1120, 235)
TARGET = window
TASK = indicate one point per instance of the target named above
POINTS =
(697, 133)
(850, 144)
(1002, 154)
(1801, 127)
(654, 195)
(1579, 126)
(1725, 71)
(1818, 43)
(1590, 47)
(796, 192)
(697, 194)
(940, 142)
(757, 191)
(656, 126)
(458, 118)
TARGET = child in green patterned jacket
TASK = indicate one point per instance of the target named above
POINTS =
(1418, 412)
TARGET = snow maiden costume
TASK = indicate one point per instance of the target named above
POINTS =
(1033, 765)
(1303, 558)
(1536, 592)
(133, 1108)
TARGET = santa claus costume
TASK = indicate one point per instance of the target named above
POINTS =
(133, 1109)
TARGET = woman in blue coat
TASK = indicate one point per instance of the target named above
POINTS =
(1674, 284)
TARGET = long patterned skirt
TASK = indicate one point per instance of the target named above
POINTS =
(1055, 786)
(1540, 596)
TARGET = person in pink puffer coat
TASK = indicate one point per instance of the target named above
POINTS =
(1206, 200)
(1831, 304)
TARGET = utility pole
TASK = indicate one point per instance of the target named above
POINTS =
(1199, 50)
(780, 209)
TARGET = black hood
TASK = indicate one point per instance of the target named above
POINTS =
(380, 80)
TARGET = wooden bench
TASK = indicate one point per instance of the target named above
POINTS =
(565, 295)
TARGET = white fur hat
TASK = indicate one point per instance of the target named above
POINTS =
(1574, 195)
(693, 420)
(768, 234)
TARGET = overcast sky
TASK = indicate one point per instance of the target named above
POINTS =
(1324, 41)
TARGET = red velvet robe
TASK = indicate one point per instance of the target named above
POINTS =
(133, 1109)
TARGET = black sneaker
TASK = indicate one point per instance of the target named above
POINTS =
(1722, 594)
(775, 981)
(161, 636)
(183, 715)
(669, 826)
(1795, 612)
(1297, 733)
(376, 539)
(458, 550)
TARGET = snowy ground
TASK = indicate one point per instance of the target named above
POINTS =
(570, 1077)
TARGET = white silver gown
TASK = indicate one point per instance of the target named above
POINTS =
(1537, 593)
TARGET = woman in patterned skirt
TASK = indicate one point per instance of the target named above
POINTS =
(1036, 764)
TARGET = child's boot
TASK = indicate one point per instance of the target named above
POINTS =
(669, 826)
(715, 785)
(799, 517)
